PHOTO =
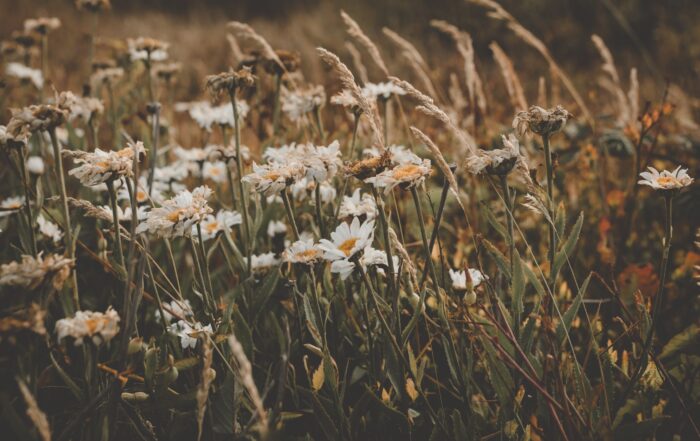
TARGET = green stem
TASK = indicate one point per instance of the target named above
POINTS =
(68, 238)
(27, 199)
(276, 105)
(155, 138)
(290, 213)
(205, 266)
(239, 169)
(387, 248)
(509, 217)
(424, 237)
(115, 219)
(319, 211)
(319, 123)
(550, 193)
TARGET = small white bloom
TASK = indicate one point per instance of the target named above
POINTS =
(382, 90)
(262, 262)
(216, 171)
(223, 221)
(302, 251)
(348, 239)
(272, 178)
(298, 103)
(177, 215)
(35, 165)
(276, 227)
(189, 334)
(101, 327)
(666, 180)
(406, 175)
(461, 282)
(182, 309)
(23, 72)
(358, 205)
(11, 205)
(101, 166)
(49, 229)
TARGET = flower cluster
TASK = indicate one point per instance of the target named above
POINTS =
(178, 215)
(100, 327)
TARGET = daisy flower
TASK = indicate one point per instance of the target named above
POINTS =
(19, 70)
(100, 327)
(177, 215)
(348, 239)
(543, 122)
(370, 257)
(189, 334)
(382, 90)
(262, 262)
(322, 162)
(665, 180)
(358, 205)
(406, 175)
(147, 49)
(33, 271)
(216, 171)
(302, 251)
(298, 103)
(272, 178)
(276, 227)
(11, 205)
(49, 229)
(461, 281)
(124, 215)
(101, 166)
(35, 165)
(223, 221)
(178, 307)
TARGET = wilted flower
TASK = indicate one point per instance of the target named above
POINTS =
(93, 5)
(101, 166)
(652, 378)
(106, 75)
(49, 229)
(177, 215)
(33, 271)
(371, 166)
(101, 327)
(298, 103)
(35, 118)
(147, 49)
(189, 334)
(230, 81)
(223, 221)
(166, 71)
(666, 180)
(35, 165)
(370, 257)
(9, 140)
(302, 251)
(406, 175)
(19, 70)
(11, 205)
(262, 262)
(348, 239)
(358, 205)
(466, 281)
(541, 121)
(80, 107)
(382, 90)
(206, 115)
(276, 227)
(272, 178)
(497, 161)
(41, 25)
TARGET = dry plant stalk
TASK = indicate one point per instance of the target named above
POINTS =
(513, 85)
(348, 82)
(542, 92)
(428, 107)
(497, 12)
(414, 59)
(357, 61)
(356, 32)
(35, 414)
(236, 52)
(407, 262)
(465, 47)
(245, 374)
(255, 41)
(208, 375)
(615, 86)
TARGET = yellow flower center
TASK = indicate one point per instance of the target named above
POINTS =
(307, 254)
(666, 180)
(141, 195)
(102, 165)
(174, 215)
(347, 246)
(408, 171)
(211, 227)
(272, 175)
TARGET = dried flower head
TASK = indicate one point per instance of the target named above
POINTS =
(41, 25)
(666, 180)
(26, 74)
(303, 251)
(147, 49)
(497, 161)
(405, 175)
(290, 62)
(27, 319)
(35, 118)
(544, 122)
(101, 166)
(230, 81)
(371, 166)
(177, 215)
(100, 327)
(272, 178)
(81, 107)
(31, 272)
(167, 71)
(93, 5)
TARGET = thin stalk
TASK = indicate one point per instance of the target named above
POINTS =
(115, 220)
(317, 301)
(319, 123)
(231, 188)
(27, 199)
(113, 113)
(550, 193)
(290, 213)
(424, 237)
(239, 169)
(155, 138)
(387, 249)
(68, 238)
(509, 217)
(436, 227)
(319, 212)
(276, 105)
(356, 125)
(205, 266)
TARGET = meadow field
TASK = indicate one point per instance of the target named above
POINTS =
(309, 220)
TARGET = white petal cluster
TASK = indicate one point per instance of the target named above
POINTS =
(177, 215)
(296, 104)
(382, 90)
(19, 70)
(100, 327)
(189, 333)
(665, 180)
(496, 161)
(406, 175)
(262, 262)
(206, 116)
(49, 229)
(303, 251)
(31, 271)
(213, 225)
(11, 205)
(101, 166)
(270, 179)
(358, 205)
(347, 240)
(461, 282)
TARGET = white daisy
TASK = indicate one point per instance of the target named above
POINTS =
(49, 229)
(272, 178)
(666, 180)
(189, 334)
(370, 257)
(178, 307)
(382, 90)
(298, 103)
(405, 175)
(496, 161)
(223, 221)
(302, 251)
(11, 205)
(216, 171)
(35, 165)
(276, 227)
(101, 327)
(262, 262)
(177, 215)
(358, 205)
(461, 282)
(23, 72)
(100, 166)
(348, 239)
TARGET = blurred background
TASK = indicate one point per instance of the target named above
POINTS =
(660, 38)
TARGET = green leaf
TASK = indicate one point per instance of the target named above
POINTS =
(560, 220)
(77, 392)
(686, 339)
(242, 332)
(518, 284)
(491, 218)
(568, 316)
(564, 253)
(500, 259)
(532, 278)
(406, 332)
(262, 295)
(498, 374)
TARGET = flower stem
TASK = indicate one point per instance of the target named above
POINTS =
(115, 220)
(205, 266)
(27, 199)
(387, 248)
(424, 237)
(319, 123)
(290, 213)
(319, 212)
(155, 137)
(276, 105)
(509, 217)
(58, 163)
(239, 169)
(550, 193)
(436, 228)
